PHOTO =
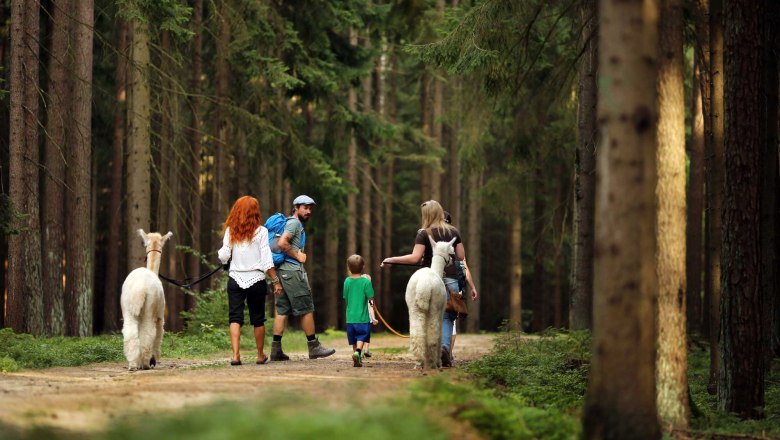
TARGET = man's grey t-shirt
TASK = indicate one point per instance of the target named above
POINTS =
(294, 227)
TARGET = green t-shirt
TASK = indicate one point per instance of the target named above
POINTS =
(357, 291)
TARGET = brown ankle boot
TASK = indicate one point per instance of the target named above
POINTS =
(276, 352)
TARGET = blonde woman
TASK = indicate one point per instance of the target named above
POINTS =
(435, 226)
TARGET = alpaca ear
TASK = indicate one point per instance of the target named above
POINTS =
(143, 236)
(167, 236)
(433, 243)
(452, 242)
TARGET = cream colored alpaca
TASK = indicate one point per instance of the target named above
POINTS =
(143, 306)
(426, 297)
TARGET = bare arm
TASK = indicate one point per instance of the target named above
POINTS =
(413, 258)
(371, 312)
(284, 244)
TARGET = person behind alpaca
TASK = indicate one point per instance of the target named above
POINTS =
(366, 351)
(245, 246)
(358, 291)
(435, 228)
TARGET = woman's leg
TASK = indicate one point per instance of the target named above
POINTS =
(260, 341)
(236, 299)
(235, 340)
(255, 302)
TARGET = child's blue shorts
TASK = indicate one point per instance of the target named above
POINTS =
(358, 332)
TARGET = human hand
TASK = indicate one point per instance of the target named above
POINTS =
(385, 261)
(301, 256)
(474, 294)
(277, 289)
(366, 276)
(374, 321)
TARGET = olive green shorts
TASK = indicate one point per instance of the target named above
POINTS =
(296, 297)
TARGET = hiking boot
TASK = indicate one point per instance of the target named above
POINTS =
(446, 359)
(357, 361)
(367, 354)
(276, 352)
(316, 350)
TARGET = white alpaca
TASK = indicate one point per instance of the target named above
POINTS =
(426, 297)
(143, 306)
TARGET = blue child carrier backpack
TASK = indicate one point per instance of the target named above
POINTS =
(275, 225)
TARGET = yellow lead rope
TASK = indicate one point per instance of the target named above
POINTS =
(388, 325)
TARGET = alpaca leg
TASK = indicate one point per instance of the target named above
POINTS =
(147, 331)
(433, 339)
(132, 346)
(158, 335)
(416, 336)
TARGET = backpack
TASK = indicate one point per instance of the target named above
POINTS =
(275, 225)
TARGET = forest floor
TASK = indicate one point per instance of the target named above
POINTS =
(91, 397)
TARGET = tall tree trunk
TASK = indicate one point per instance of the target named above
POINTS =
(621, 399)
(741, 378)
(700, 139)
(329, 314)
(115, 242)
(581, 305)
(474, 237)
(139, 146)
(515, 268)
(714, 171)
(25, 297)
(79, 294)
(366, 172)
(773, 122)
(220, 197)
(672, 362)
(437, 125)
(193, 136)
(352, 165)
(540, 246)
(53, 209)
(425, 128)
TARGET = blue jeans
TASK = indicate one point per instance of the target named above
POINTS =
(449, 317)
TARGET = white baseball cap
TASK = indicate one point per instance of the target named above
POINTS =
(303, 200)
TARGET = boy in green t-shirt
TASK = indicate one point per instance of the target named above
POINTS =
(357, 292)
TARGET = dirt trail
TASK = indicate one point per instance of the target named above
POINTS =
(87, 398)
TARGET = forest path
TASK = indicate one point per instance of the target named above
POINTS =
(89, 397)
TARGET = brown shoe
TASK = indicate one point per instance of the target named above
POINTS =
(446, 359)
(276, 352)
(316, 350)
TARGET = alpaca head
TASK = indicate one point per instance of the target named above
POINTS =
(153, 241)
(442, 248)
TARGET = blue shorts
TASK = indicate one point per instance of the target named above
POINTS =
(358, 332)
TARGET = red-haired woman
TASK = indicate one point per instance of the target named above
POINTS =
(245, 245)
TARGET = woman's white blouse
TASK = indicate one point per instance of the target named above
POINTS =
(250, 259)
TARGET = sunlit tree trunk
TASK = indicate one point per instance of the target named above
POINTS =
(581, 305)
(53, 207)
(621, 398)
(25, 297)
(714, 177)
(80, 293)
(515, 267)
(672, 363)
(741, 378)
(139, 146)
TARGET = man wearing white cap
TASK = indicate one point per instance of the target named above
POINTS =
(296, 297)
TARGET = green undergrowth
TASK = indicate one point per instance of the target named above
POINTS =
(528, 388)
(272, 418)
(706, 417)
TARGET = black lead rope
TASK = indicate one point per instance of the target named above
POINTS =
(189, 282)
(404, 264)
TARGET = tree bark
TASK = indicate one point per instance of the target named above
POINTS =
(351, 245)
(474, 236)
(330, 313)
(425, 128)
(221, 194)
(80, 293)
(25, 298)
(621, 398)
(53, 209)
(115, 242)
(714, 171)
(581, 307)
(741, 378)
(515, 268)
(139, 146)
(194, 132)
(672, 362)
(538, 294)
